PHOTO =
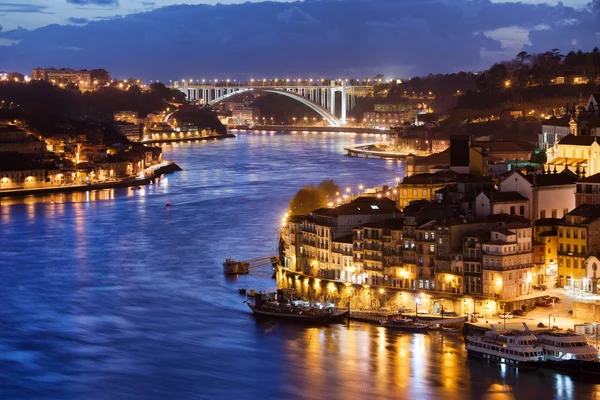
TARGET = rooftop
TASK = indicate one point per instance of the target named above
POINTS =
(571, 139)
(591, 179)
(360, 206)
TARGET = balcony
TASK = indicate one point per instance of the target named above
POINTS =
(372, 246)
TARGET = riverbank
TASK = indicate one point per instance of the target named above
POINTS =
(367, 151)
(149, 175)
(296, 128)
(189, 139)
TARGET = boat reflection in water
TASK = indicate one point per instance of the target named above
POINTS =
(281, 305)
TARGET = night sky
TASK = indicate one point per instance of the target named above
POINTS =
(319, 38)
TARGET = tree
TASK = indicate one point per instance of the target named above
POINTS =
(311, 198)
(305, 201)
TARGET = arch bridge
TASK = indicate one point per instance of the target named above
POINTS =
(319, 98)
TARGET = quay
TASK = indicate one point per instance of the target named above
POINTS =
(187, 138)
(149, 175)
(365, 150)
(296, 128)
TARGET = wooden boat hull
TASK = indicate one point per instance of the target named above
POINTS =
(340, 316)
(575, 366)
(314, 319)
(407, 328)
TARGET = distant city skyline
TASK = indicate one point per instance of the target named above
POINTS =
(155, 40)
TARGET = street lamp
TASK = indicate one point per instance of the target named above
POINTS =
(416, 306)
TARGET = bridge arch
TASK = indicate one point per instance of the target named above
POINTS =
(325, 114)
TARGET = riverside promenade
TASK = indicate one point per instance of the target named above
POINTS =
(147, 176)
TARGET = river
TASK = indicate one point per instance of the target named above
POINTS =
(111, 295)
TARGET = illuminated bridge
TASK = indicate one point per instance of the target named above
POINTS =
(320, 96)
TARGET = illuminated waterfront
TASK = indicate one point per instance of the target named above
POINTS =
(111, 295)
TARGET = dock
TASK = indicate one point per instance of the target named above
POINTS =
(363, 150)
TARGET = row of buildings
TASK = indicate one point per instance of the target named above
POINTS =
(66, 75)
(28, 161)
(464, 230)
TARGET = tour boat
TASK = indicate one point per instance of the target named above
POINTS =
(514, 348)
(406, 325)
(265, 305)
(232, 267)
(569, 352)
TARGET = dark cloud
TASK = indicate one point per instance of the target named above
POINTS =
(23, 8)
(78, 21)
(94, 2)
(346, 38)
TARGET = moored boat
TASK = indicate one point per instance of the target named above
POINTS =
(406, 325)
(569, 352)
(266, 305)
(232, 267)
(514, 348)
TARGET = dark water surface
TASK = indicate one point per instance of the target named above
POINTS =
(109, 295)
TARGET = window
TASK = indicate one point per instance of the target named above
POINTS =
(568, 263)
(522, 210)
(568, 248)
(575, 263)
(575, 234)
(415, 192)
(404, 192)
(565, 211)
(432, 248)
(510, 276)
(560, 233)
(424, 192)
(583, 234)
(568, 233)
(583, 249)
(554, 214)
(512, 210)
(543, 214)
(549, 251)
(575, 249)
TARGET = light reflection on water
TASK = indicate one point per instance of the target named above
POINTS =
(111, 295)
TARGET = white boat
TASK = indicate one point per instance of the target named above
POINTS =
(563, 346)
(514, 348)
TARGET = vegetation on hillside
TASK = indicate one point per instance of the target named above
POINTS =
(311, 198)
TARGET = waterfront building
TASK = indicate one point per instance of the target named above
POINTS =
(342, 259)
(244, 115)
(472, 257)
(507, 261)
(321, 227)
(545, 231)
(548, 195)
(22, 179)
(62, 76)
(578, 238)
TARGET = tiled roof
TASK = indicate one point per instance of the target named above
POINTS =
(571, 139)
(391, 223)
(547, 222)
(505, 146)
(591, 179)
(361, 206)
(507, 197)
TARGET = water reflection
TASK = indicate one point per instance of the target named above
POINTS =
(110, 295)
